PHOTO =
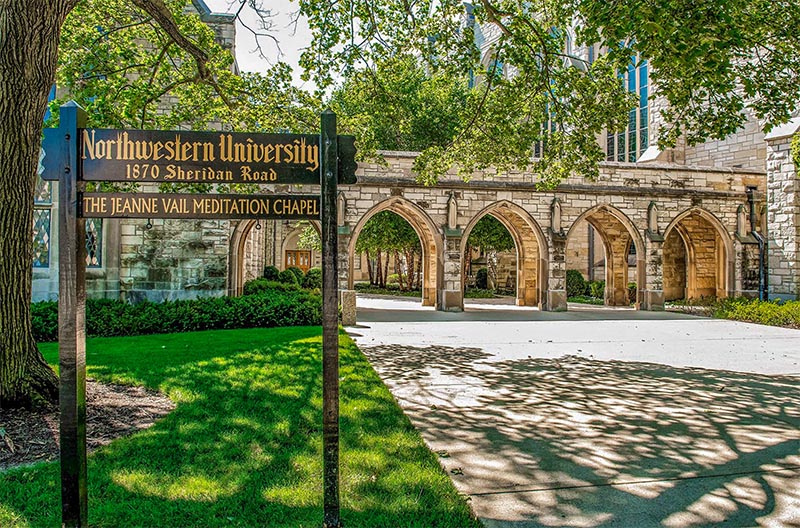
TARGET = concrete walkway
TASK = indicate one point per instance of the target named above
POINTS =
(599, 418)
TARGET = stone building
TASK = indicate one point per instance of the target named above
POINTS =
(677, 223)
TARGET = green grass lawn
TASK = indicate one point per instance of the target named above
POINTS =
(244, 445)
(585, 299)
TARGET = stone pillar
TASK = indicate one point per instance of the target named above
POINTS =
(557, 283)
(452, 293)
(617, 270)
(653, 290)
(343, 263)
(348, 302)
(783, 212)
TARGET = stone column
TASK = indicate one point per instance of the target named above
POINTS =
(783, 213)
(654, 272)
(347, 297)
(452, 293)
(557, 283)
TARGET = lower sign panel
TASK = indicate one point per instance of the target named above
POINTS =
(218, 206)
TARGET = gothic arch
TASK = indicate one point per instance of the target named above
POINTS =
(236, 253)
(431, 242)
(531, 247)
(708, 270)
(293, 234)
(617, 232)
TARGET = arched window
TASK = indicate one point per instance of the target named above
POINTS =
(629, 144)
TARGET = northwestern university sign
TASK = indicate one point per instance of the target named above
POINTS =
(199, 157)
(74, 154)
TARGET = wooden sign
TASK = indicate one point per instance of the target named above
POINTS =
(72, 153)
(188, 206)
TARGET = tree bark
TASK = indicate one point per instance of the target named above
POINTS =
(30, 31)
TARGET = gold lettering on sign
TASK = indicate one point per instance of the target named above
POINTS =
(200, 154)
(297, 152)
(95, 205)
(122, 148)
(127, 205)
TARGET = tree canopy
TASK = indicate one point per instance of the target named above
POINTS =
(490, 234)
(713, 63)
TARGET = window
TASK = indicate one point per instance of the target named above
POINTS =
(42, 203)
(94, 242)
(630, 143)
(298, 259)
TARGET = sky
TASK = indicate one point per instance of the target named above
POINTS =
(290, 41)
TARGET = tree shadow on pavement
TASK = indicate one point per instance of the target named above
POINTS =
(578, 442)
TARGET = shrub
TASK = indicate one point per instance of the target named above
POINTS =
(597, 289)
(313, 279)
(271, 273)
(632, 292)
(482, 279)
(109, 318)
(298, 273)
(288, 277)
(774, 313)
(474, 293)
(394, 278)
(256, 286)
(576, 285)
(44, 317)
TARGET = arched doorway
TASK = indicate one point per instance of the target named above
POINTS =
(607, 229)
(246, 252)
(531, 251)
(697, 257)
(430, 242)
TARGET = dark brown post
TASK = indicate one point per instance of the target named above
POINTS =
(71, 323)
(330, 323)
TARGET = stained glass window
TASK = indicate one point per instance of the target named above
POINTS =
(41, 238)
(94, 242)
(44, 193)
(42, 201)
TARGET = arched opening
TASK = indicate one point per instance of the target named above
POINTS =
(430, 245)
(529, 277)
(297, 248)
(697, 257)
(255, 244)
(607, 250)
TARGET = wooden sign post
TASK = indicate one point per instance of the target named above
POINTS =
(74, 154)
(330, 324)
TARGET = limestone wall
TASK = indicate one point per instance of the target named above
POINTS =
(175, 259)
(619, 201)
(745, 149)
(783, 211)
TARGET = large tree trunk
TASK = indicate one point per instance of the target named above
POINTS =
(29, 30)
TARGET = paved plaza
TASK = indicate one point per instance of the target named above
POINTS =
(598, 417)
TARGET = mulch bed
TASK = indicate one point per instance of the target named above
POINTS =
(112, 411)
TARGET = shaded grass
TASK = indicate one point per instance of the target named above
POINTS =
(585, 299)
(244, 445)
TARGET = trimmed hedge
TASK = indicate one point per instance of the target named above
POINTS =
(288, 277)
(576, 284)
(313, 279)
(271, 273)
(107, 318)
(257, 286)
(773, 313)
(298, 273)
